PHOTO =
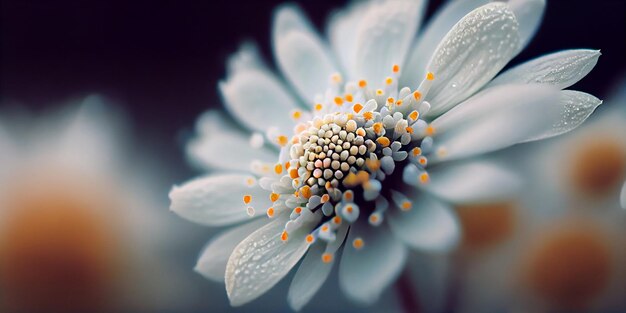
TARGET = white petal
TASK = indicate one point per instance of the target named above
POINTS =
(384, 37)
(262, 260)
(246, 58)
(529, 14)
(439, 25)
(213, 259)
(575, 107)
(430, 225)
(302, 56)
(258, 100)
(471, 54)
(472, 182)
(623, 197)
(217, 200)
(494, 119)
(561, 69)
(309, 278)
(342, 30)
(366, 272)
(289, 17)
(221, 145)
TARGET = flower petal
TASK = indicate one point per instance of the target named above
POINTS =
(309, 278)
(494, 119)
(289, 17)
(217, 200)
(302, 56)
(258, 100)
(430, 225)
(437, 28)
(576, 107)
(471, 54)
(384, 37)
(9, 152)
(262, 260)
(221, 145)
(213, 259)
(342, 30)
(623, 197)
(472, 182)
(364, 273)
(529, 14)
(561, 69)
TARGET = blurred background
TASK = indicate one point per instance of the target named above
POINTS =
(158, 63)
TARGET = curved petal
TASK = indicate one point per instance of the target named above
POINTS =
(364, 273)
(262, 260)
(440, 24)
(309, 278)
(384, 37)
(430, 225)
(221, 145)
(301, 55)
(213, 259)
(495, 119)
(217, 200)
(342, 30)
(623, 197)
(561, 69)
(472, 182)
(246, 58)
(575, 107)
(471, 54)
(529, 14)
(289, 17)
(258, 100)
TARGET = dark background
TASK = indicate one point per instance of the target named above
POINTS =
(162, 59)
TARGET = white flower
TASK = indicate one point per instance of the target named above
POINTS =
(364, 158)
(80, 229)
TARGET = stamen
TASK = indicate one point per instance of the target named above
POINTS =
(358, 243)
(327, 257)
(247, 199)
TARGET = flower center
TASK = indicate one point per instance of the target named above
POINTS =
(354, 155)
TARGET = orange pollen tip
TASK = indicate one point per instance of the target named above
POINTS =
(373, 165)
(406, 205)
(424, 178)
(362, 83)
(270, 212)
(287, 165)
(284, 236)
(293, 173)
(396, 68)
(417, 95)
(349, 209)
(337, 220)
(368, 115)
(373, 218)
(250, 181)
(325, 198)
(305, 191)
(318, 107)
(278, 168)
(338, 101)
(399, 102)
(430, 76)
(357, 243)
(383, 141)
(391, 100)
(379, 92)
(378, 127)
(298, 210)
(414, 115)
(361, 132)
(416, 151)
(296, 114)
(310, 238)
(409, 130)
(389, 81)
(274, 196)
(422, 160)
(247, 199)
(325, 228)
(327, 257)
(282, 140)
(357, 108)
(430, 130)
(349, 98)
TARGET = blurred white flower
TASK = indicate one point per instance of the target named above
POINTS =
(81, 229)
(378, 147)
